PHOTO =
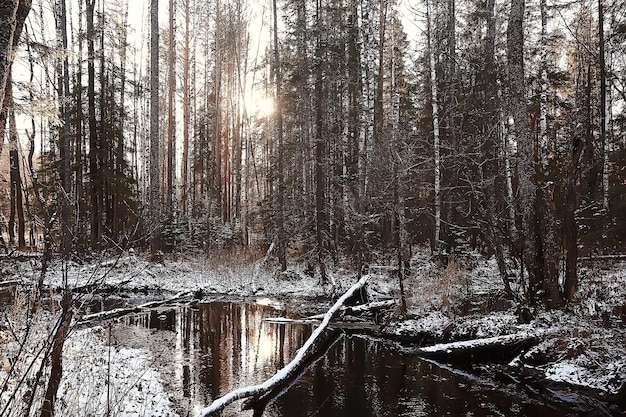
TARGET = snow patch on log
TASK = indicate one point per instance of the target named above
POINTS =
(291, 367)
(117, 312)
(479, 343)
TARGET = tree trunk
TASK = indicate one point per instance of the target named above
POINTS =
(435, 111)
(155, 179)
(547, 217)
(56, 357)
(582, 132)
(8, 25)
(11, 26)
(321, 219)
(282, 243)
(94, 175)
(17, 207)
(525, 165)
(186, 111)
(63, 86)
(605, 107)
(171, 141)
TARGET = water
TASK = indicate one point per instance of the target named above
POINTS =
(221, 346)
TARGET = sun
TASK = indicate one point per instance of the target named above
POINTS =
(259, 105)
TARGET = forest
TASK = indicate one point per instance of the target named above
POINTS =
(326, 133)
(319, 134)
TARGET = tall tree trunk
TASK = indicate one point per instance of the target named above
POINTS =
(604, 109)
(155, 180)
(186, 111)
(12, 17)
(17, 207)
(94, 174)
(11, 30)
(525, 166)
(490, 165)
(8, 26)
(218, 186)
(282, 244)
(78, 138)
(171, 144)
(547, 217)
(63, 87)
(435, 111)
(581, 139)
(321, 219)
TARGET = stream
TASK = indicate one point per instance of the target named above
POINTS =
(213, 348)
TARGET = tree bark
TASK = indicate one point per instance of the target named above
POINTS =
(321, 217)
(186, 114)
(547, 215)
(94, 174)
(155, 179)
(17, 207)
(171, 126)
(605, 107)
(282, 244)
(63, 86)
(530, 248)
(8, 26)
(436, 138)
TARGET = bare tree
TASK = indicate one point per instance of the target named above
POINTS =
(522, 131)
(155, 198)
(436, 139)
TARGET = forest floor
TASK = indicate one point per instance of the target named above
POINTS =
(582, 346)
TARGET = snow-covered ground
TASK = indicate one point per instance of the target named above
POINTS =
(582, 344)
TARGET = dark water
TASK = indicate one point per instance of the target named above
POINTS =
(223, 345)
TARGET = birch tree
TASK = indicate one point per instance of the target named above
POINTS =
(435, 113)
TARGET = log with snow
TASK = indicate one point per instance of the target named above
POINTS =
(487, 348)
(284, 373)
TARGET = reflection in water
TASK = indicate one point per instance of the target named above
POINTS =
(222, 346)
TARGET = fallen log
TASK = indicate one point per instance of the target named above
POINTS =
(119, 312)
(479, 350)
(291, 368)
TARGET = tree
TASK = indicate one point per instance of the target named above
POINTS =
(94, 173)
(435, 112)
(13, 14)
(17, 207)
(63, 92)
(171, 122)
(528, 240)
(547, 216)
(282, 244)
(155, 206)
(10, 32)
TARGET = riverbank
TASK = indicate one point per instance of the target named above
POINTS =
(580, 347)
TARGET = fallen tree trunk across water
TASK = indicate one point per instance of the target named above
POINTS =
(479, 350)
(118, 312)
(289, 369)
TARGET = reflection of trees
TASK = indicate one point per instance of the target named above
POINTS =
(236, 347)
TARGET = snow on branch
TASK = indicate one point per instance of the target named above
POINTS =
(118, 312)
(290, 368)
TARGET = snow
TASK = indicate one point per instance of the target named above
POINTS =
(469, 344)
(462, 302)
(99, 377)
